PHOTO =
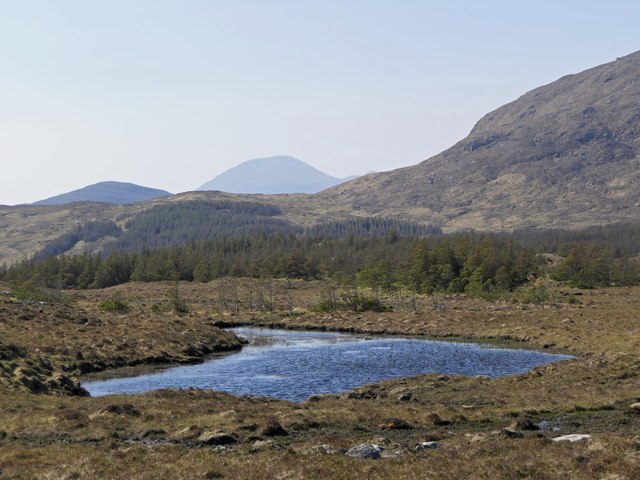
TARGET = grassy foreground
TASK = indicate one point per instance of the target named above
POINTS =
(196, 434)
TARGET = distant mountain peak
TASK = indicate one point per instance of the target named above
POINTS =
(272, 175)
(106, 192)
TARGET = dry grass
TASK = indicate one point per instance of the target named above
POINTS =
(63, 437)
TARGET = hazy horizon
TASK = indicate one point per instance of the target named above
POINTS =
(170, 94)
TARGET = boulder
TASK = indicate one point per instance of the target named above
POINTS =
(575, 437)
(365, 450)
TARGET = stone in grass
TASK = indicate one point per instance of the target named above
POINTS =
(365, 450)
(426, 446)
(634, 408)
(217, 438)
(574, 437)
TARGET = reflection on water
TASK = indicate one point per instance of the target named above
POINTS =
(295, 365)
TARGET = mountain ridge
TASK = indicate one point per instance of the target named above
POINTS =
(106, 192)
(565, 153)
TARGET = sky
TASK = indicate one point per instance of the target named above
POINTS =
(169, 94)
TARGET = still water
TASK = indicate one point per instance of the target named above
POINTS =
(294, 365)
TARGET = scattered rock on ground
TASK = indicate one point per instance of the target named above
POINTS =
(425, 446)
(365, 450)
(574, 437)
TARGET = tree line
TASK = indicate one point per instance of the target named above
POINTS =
(371, 254)
(179, 223)
(470, 263)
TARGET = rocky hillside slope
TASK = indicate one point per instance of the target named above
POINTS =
(565, 154)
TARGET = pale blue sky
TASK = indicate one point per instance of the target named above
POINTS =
(169, 94)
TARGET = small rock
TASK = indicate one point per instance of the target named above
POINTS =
(425, 446)
(634, 408)
(511, 433)
(217, 438)
(365, 450)
(575, 437)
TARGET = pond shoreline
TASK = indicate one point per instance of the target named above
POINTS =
(150, 368)
(501, 341)
(283, 363)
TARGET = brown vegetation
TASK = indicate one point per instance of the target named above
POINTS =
(203, 434)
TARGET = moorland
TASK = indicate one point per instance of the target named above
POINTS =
(549, 183)
(486, 428)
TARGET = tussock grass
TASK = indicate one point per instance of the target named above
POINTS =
(155, 435)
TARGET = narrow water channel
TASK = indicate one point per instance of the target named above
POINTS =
(294, 365)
